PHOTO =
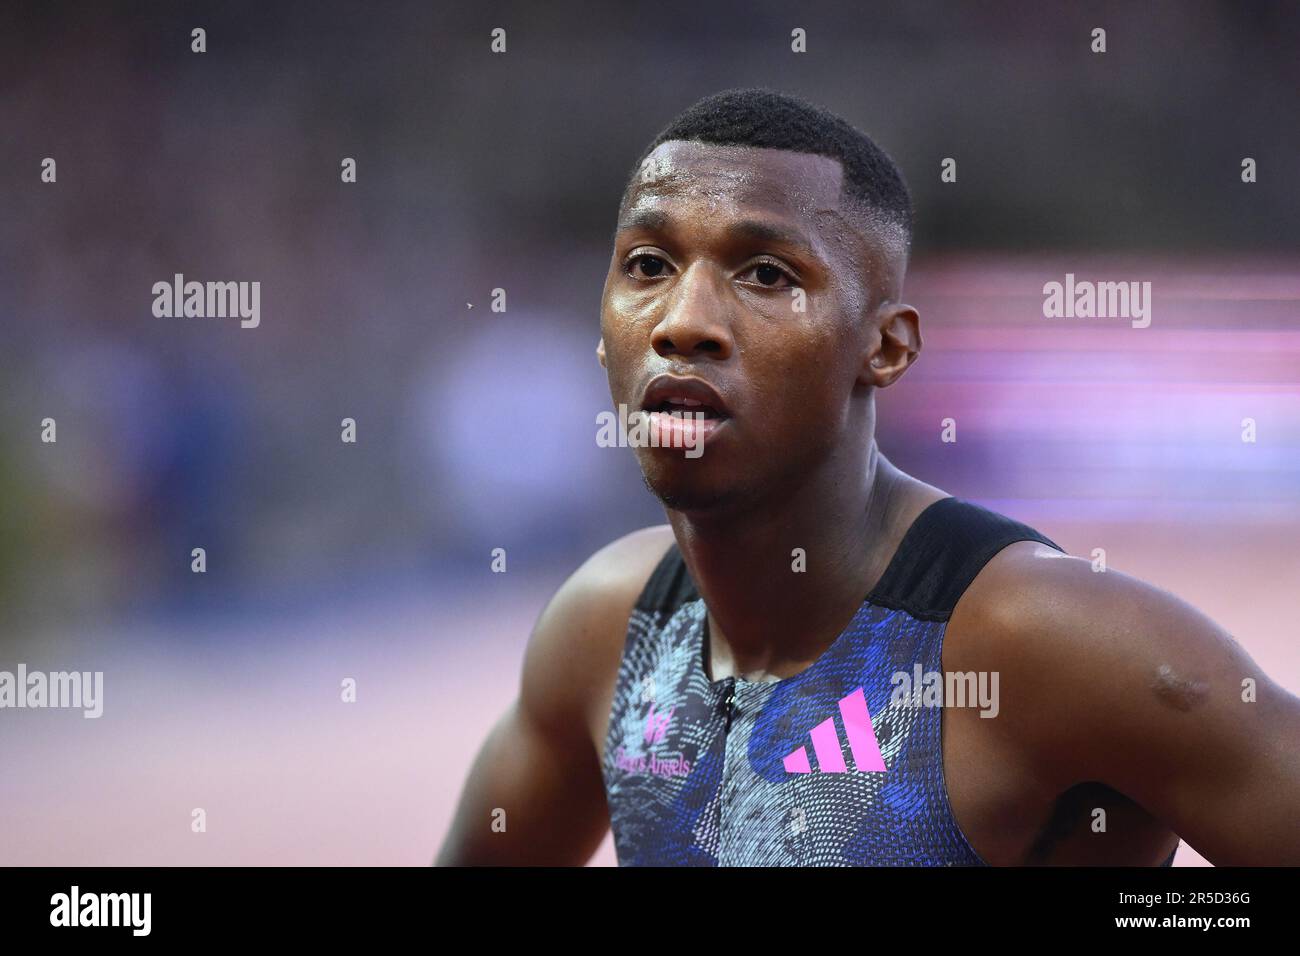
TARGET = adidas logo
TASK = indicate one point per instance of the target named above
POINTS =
(829, 750)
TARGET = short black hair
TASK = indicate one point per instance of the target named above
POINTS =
(767, 119)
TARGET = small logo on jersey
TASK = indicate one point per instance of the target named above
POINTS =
(677, 766)
(656, 725)
(829, 750)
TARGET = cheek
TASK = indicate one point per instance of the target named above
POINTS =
(626, 318)
(808, 356)
(624, 351)
(802, 383)
(614, 328)
(623, 348)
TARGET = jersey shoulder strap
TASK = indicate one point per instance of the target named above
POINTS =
(669, 586)
(942, 552)
(940, 555)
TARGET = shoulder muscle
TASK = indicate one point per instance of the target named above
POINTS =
(1108, 678)
(575, 648)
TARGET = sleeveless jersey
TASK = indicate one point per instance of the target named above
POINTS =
(838, 765)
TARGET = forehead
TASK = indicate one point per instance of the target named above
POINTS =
(713, 178)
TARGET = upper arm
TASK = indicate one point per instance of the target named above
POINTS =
(535, 793)
(1116, 681)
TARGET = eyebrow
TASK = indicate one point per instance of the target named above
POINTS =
(765, 232)
(653, 220)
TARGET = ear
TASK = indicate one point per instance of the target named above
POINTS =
(600, 352)
(899, 345)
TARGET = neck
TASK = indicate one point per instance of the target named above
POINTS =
(767, 618)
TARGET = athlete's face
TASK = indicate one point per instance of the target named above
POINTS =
(737, 268)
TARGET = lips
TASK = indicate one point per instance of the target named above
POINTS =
(673, 393)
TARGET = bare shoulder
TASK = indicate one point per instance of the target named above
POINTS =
(1046, 607)
(575, 648)
(1104, 676)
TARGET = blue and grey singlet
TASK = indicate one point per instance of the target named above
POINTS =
(818, 769)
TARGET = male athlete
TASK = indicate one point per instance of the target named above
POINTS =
(776, 676)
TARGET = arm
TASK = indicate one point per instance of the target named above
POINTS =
(539, 768)
(1119, 682)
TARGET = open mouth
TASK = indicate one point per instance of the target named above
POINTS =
(687, 407)
(686, 397)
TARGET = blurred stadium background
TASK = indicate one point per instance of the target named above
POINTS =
(475, 429)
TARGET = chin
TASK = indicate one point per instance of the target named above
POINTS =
(681, 486)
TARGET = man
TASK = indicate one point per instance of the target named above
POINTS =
(718, 690)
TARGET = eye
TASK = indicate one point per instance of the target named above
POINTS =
(646, 265)
(769, 273)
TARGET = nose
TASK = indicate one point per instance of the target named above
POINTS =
(695, 319)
